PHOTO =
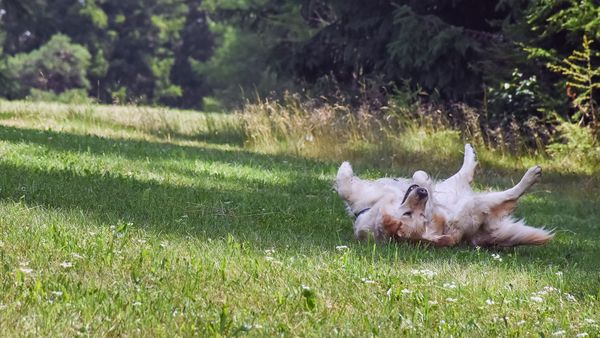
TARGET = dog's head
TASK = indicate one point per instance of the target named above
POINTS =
(408, 220)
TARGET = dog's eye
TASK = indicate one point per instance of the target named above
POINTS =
(408, 213)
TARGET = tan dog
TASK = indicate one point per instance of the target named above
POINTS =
(444, 213)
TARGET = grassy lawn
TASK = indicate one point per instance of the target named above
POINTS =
(143, 222)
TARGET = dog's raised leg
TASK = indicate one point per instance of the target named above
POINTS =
(462, 179)
(467, 171)
(500, 228)
(503, 203)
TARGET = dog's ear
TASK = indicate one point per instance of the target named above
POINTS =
(391, 225)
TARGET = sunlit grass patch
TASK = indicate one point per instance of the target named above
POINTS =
(110, 227)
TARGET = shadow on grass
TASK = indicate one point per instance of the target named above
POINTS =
(159, 151)
(301, 215)
(269, 216)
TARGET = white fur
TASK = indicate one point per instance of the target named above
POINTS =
(451, 212)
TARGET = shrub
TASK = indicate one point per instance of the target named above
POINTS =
(57, 66)
(72, 96)
(576, 146)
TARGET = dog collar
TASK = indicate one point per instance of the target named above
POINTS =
(411, 188)
(356, 214)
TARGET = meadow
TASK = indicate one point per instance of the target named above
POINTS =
(132, 221)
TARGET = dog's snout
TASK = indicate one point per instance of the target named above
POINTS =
(421, 192)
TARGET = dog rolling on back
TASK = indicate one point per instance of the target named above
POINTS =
(444, 213)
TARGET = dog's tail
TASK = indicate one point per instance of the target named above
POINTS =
(343, 181)
(512, 232)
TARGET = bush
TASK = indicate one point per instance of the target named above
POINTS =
(72, 96)
(576, 146)
(57, 66)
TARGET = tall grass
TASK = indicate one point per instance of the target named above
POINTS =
(392, 135)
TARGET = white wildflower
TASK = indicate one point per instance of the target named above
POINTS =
(164, 244)
(536, 299)
(589, 321)
(57, 293)
(433, 302)
(497, 257)
(269, 251)
(424, 272)
(272, 260)
(77, 256)
(582, 334)
(558, 273)
(451, 300)
(66, 265)
(136, 304)
(449, 285)
(442, 322)
(405, 291)
(489, 302)
(341, 248)
(521, 322)
(367, 281)
(570, 297)
(559, 333)
(26, 270)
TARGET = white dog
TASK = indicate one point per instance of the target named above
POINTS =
(444, 213)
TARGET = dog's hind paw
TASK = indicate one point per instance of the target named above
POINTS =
(533, 174)
(470, 153)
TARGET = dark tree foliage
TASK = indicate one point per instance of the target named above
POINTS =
(140, 50)
(437, 44)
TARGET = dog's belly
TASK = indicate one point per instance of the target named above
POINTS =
(458, 210)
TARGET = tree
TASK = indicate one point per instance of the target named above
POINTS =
(57, 66)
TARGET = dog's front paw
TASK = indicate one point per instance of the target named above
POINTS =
(421, 178)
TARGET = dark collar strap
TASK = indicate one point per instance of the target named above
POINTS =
(356, 214)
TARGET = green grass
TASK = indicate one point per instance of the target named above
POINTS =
(121, 221)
